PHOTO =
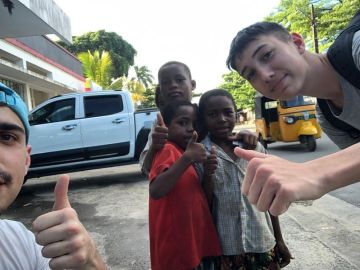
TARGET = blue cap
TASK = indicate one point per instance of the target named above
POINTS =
(11, 99)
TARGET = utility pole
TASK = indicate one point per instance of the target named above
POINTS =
(313, 25)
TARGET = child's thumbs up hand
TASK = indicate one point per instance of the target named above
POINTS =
(160, 133)
(160, 120)
(211, 163)
(64, 238)
(195, 151)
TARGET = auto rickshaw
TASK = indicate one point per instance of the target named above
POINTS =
(287, 121)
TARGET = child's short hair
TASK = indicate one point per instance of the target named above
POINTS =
(187, 69)
(247, 35)
(169, 111)
(213, 93)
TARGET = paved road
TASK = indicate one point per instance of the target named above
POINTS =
(113, 204)
(324, 234)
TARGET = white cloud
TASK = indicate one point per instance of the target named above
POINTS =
(196, 32)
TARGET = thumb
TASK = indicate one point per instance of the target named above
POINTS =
(248, 154)
(160, 120)
(213, 151)
(193, 138)
(61, 190)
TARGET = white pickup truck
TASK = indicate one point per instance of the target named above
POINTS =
(81, 131)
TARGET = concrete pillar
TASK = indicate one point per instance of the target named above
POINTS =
(28, 97)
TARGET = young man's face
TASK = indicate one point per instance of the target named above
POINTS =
(182, 126)
(175, 84)
(274, 67)
(14, 156)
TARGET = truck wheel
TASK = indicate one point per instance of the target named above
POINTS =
(262, 141)
(141, 141)
(310, 143)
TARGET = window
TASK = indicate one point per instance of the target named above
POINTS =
(102, 105)
(296, 101)
(62, 110)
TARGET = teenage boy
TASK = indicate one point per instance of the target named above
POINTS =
(277, 65)
(60, 240)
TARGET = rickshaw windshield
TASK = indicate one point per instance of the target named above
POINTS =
(297, 101)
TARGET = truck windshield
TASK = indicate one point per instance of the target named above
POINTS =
(297, 101)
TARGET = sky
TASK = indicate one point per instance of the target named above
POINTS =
(196, 32)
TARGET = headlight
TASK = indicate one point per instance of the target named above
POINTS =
(289, 119)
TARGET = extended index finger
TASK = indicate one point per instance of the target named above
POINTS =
(250, 172)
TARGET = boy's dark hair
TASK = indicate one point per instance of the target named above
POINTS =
(247, 35)
(187, 69)
(169, 111)
(213, 93)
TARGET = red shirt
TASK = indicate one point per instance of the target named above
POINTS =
(181, 228)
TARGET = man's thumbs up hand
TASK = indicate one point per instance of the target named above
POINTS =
(66, 242)
(61, 190)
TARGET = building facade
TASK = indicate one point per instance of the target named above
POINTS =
(30, 63)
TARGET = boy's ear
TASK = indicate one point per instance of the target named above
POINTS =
(299, 42)
(193, 84)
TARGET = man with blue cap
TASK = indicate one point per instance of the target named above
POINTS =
(59, 240)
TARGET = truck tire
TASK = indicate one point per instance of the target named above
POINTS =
(141, 141)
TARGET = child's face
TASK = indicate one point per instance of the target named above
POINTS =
(182, 126)
(175, 84)
(219, 116)
(274, 67)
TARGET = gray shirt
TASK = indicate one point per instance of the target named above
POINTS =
(241, 227)
(350, 112)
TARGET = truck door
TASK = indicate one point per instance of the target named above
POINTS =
(55, 133)
(105, 127)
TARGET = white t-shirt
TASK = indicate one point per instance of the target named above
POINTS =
(18, 249)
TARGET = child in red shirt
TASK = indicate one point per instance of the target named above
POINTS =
(182, 232)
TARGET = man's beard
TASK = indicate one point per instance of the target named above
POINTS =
(5, 177)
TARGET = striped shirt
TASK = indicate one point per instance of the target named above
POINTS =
(241, 227)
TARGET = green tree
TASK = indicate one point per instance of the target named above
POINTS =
(135, 87)
(331, 16)
(240, 89)
(149, 98)
(122, 53)
(143, 75)
(97, 67)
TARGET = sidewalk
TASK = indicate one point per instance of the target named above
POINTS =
(323, 235)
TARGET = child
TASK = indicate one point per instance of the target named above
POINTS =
(246, 235)
(181, 229)
(175, 83)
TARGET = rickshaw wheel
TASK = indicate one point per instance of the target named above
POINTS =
(262, 141)
(310, 143)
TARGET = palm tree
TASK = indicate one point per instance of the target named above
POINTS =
(143, 75)
(97, 67)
